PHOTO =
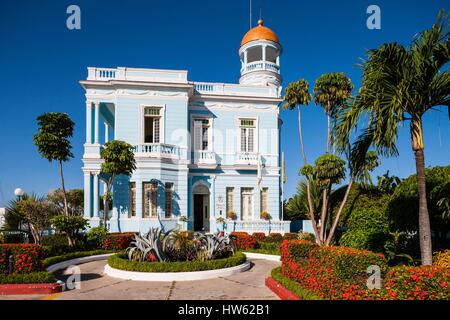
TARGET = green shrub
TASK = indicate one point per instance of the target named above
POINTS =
(71, 226)
(52, 260)
(6, 238)
(96, 236)
(120, 261)
(290, 236)
(23, 278)
(303, 235)
(293, 286)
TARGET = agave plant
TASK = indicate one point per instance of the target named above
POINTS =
(142, 246)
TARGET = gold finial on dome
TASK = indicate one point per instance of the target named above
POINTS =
(260, 22)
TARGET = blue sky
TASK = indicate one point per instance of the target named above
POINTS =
(41, 62)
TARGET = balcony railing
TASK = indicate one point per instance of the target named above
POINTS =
(260, 65)
(259, 226)
(158, 150)
(250, 158)
(204, 157)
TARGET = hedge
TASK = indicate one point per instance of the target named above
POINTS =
(73, 255)
(340, 273)
(26, 258)
(120, 261)
(23, 278)
(329, 272)
(118, 241)
(293, 286)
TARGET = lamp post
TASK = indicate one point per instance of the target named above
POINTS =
(19, 193)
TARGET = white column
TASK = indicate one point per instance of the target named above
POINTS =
(87, 195)
(96, 121)
(245, 57)
(106, 132)
(278, 59)
(139, 200)
(264, 52)
(96, 196)
(88, 122)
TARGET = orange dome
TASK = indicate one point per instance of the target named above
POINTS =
(259, 33)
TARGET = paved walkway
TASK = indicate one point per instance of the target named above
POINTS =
(96, 286)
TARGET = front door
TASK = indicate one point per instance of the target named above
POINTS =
(198, 212)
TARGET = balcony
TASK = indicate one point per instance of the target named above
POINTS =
(159, 150)
(204, 157)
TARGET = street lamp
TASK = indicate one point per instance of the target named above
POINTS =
(19, 192)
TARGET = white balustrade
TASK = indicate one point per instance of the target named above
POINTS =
(259, 226)
(158, 150)
(247, 158)
(260, 65)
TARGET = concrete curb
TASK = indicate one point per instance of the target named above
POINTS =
(280, 290)
(271, 257)
(32, 288)
(175, 276)
(65, 264)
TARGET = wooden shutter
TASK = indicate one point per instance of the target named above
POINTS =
(251, 139)
(197, 135)
(156, 132)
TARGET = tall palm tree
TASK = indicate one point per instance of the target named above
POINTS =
(401, 84)
(296, 95)
(330, 92)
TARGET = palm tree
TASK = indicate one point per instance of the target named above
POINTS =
(401, 84)
(295, 95)
(330, 92)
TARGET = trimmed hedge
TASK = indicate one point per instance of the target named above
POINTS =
(24, 278)
(340, 273)
(330, 272)
(73, 255)
(120, 261)
(118, 241)
(243, 241)
(26, 258)
(293, 286)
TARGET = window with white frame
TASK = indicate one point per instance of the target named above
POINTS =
(152, 124)
(132, 199)
(246, 203)
(247, 129)
(150, 199)
(202, 134)
(169, 199)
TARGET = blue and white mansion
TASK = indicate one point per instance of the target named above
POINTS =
(202, 150)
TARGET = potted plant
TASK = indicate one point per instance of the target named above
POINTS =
(222, 221)
(183, 220)
(265, 215)
(231, 215)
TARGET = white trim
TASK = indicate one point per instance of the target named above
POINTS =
(176, 276)
(65, 264)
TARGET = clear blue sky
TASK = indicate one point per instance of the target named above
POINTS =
(41, 62)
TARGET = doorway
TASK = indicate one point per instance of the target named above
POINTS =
(201, 208)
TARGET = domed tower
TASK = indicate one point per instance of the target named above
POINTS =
(260, 57)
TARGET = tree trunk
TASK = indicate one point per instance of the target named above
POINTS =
(426, 250)
(338, 214)
(308, 187)
(106, 200)
(328, 134)
(66, 211)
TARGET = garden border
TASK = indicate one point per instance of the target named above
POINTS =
(67, 263)
(263, 256)
(176, 276)
(30, 288)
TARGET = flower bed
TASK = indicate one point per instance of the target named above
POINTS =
(120, 261)
(118, 241)
(340, 273)
(291, 286)
(26, 258)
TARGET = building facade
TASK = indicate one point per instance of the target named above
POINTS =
(202, 150)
